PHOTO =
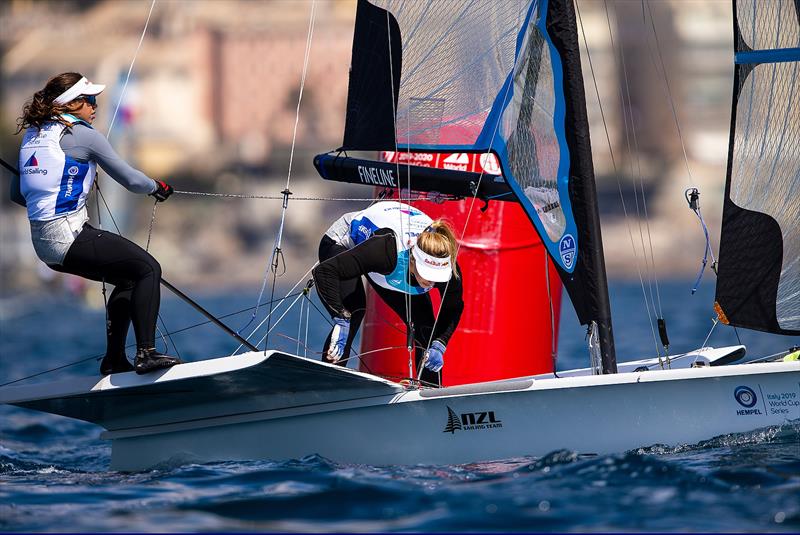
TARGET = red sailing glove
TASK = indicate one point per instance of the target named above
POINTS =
(163, 191)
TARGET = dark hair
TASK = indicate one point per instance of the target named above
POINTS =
(41, 108)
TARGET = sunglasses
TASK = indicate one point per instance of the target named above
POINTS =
(91, 100)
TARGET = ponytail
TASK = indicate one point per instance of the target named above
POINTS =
(439, 240)
(41, 109)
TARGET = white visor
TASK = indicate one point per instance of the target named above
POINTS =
(82, 87)
(430, 267)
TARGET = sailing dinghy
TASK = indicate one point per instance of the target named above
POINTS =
(422, 78)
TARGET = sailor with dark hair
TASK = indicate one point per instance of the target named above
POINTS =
(57, 159)
(404, 255)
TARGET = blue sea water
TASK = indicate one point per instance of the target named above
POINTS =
(55, 478)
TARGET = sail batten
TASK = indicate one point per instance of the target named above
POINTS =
(768, 56)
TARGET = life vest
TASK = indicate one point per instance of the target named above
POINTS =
(407, 223)
(53, 184)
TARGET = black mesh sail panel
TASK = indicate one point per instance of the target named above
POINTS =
(758, 285)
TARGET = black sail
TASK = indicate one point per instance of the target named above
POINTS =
(758, 284)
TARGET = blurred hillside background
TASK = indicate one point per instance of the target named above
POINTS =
(210, 107)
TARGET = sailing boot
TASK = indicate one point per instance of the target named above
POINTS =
(150, 360)
(116, 363)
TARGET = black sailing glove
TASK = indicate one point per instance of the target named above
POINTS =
(163, 191)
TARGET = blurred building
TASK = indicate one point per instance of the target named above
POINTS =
(214, 81)
(213, 97)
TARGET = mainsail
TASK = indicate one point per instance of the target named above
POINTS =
(484, 76)
(758, 284)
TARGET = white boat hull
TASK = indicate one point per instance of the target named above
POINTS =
(410, 429)
(374, 421)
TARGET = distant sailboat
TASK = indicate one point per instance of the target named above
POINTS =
(420, 73)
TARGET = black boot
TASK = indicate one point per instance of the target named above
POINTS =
(117, 363)
(149, 360)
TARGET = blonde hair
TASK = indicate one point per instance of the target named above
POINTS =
(439, 240)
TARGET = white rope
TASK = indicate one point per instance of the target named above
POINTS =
(263, 338)
(299, 326)
(309, 39)
(650, 267)
(130, 69)
(713, 326)
(669, 92)
(282, 300)
(305, 344)
(616, 174)
(553, 344)
(406, 297)
(273, 262)
(474, 194)
(114, 117)
(97, 177)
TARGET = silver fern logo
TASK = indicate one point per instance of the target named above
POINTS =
(470, 421)
(453, 422)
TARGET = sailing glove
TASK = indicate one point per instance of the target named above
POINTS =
(163, 191)
(434, 356)
(341, 328)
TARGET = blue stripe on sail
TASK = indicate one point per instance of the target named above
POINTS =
(564, 250)
(778, 55)
(491, 128)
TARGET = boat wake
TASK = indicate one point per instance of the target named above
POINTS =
(776, 434)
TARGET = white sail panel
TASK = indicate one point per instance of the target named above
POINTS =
(765, 24)
(766, 168)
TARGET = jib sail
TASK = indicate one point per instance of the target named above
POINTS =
(463, 77)
(492, 77)
(758, 284)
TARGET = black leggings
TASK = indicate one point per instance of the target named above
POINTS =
(354, 299)
(99, 255)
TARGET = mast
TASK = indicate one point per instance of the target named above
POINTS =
(588, 284)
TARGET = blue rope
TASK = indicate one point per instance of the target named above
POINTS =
(692, 196)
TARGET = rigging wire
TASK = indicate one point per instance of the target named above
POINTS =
(553, 345)
(406, 295)
(616, 172)
(630, 131)
(713, 325)
(271, 310)
(116, 112)
(280, 301)
(98, 357)
(280, 197)
(99, 195)
(673, 107)
(471, 208)
(277, 253)
(652, 275)
(130, 68)
(668, 90)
